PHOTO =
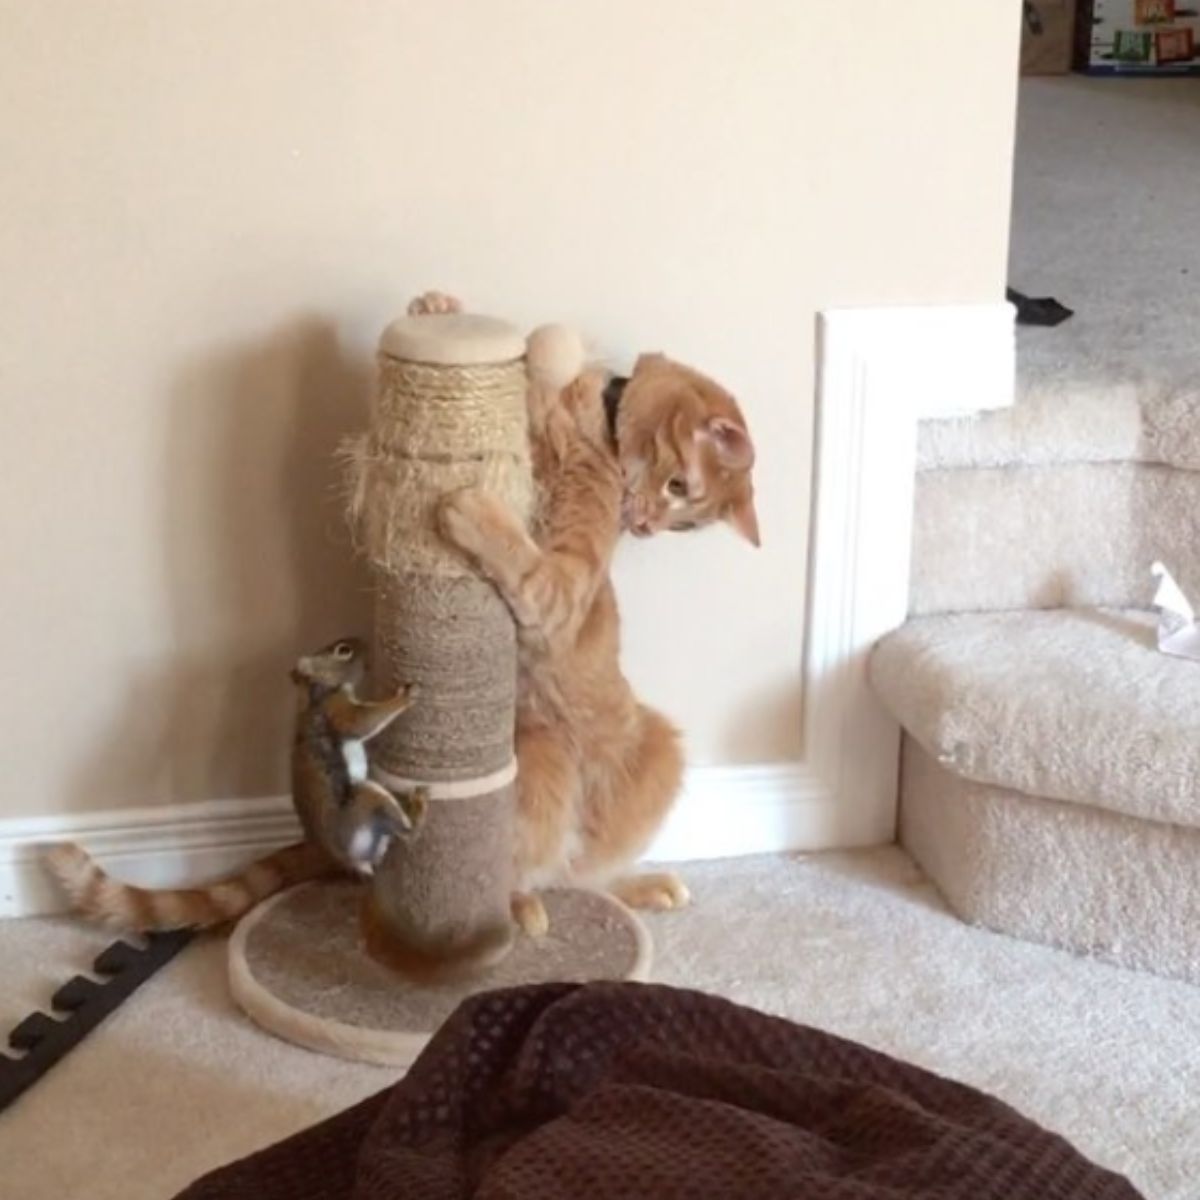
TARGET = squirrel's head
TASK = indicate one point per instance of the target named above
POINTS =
(333, 666)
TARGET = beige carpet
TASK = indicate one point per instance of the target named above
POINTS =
(1106, 207)
(858, 944)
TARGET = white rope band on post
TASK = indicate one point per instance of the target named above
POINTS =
(458, 789)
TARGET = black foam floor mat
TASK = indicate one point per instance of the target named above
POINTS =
(79, 1006)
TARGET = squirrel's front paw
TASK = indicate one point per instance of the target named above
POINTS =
(416, 806)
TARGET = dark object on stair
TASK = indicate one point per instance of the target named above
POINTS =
(624, 1090)
(1042, 311)
(83, 1003)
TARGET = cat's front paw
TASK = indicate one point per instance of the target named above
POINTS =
(462, 519)
(434, 303)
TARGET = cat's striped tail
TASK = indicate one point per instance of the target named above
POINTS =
(98, 896)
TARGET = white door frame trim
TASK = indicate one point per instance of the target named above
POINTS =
(880, 372)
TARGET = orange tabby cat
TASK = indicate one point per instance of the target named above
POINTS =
(598, 771)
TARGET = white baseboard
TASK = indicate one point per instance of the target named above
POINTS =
(724, 812)
(155, 846)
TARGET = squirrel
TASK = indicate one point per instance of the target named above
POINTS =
(340, 808)
(348, 819)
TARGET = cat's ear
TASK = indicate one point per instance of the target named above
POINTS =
(741, 515)
(732, 443)
(647, 362)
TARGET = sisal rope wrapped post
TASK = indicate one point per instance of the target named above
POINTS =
(450, 412)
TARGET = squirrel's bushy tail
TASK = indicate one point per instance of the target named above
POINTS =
(98, 896)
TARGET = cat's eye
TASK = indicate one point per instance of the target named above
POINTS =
(677, 486)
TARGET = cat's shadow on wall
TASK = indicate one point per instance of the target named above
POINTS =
(257, 566)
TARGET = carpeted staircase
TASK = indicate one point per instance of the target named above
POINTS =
(1051, 762)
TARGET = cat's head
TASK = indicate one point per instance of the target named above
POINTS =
(685, 452)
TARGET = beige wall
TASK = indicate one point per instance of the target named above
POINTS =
(209, 209)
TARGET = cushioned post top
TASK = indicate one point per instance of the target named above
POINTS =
(452, 340)
(1071, 704)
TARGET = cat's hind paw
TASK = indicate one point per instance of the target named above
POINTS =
(659, 892)
(530, 914)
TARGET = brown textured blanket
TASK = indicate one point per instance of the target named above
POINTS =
(628, 1090)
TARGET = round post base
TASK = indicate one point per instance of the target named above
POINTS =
(299, 969)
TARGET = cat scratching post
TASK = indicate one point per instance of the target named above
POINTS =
(367, 971)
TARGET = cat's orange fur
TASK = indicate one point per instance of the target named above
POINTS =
(599, 771)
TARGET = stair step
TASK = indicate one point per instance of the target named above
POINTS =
(1051, 782)
(1065, 419)
(1068, 875)
(1072, 705)
(1040, 537)
(1120, 380)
